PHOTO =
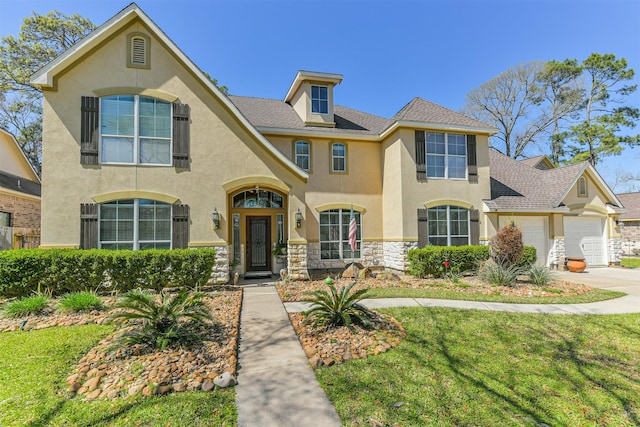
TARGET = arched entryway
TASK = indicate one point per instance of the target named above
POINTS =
(258, 229)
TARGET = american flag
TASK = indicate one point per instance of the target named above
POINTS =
(353, 227)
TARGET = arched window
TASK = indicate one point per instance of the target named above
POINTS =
(257, 198)
(582, 187)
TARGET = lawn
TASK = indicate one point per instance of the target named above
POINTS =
(467, 367)
(630, 262)
(35, 364)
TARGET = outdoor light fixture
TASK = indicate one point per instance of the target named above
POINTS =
(620, 224)
(215, 217)
(298, 218)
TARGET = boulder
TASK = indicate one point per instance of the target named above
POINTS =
(225, 380)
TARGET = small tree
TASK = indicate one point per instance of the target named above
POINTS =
(506, 247)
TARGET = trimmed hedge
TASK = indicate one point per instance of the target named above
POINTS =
(429, 261)
(61, 271)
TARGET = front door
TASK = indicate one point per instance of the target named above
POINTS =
(258, 243)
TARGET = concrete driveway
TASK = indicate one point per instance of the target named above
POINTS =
(615, 279)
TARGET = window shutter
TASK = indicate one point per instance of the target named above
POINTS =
(423, 228)
(180, 233)
(421, 166)
(181, 137)
(88, 226)
(474, 233)
(472, 164)
(89, 132)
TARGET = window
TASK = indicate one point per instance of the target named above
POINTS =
(582, 187)
(5, 219)
(257, 198)
(448, 226)
(319, 99)
(302, 154)
(135, 224)
(446, 155)
(338, 158)
(334, 234)
(135, 129)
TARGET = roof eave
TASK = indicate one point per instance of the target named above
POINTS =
(316, 133)
(303, 75)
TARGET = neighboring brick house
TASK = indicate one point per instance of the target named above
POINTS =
(141, 150)
(19, 193)
(631, 222)
(564, 212)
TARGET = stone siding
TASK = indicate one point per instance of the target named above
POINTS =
(614, 251)
(395, 255)
(370, 252)
(297, 261)
(556, 252)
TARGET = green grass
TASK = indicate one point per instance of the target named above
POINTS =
(25, 306)
(630, 262)
(468, 367)
(33, 369)
(592, 296)
(80, 301)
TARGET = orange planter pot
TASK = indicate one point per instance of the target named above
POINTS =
(576, 265)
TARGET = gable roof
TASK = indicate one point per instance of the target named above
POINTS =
(421, 110)
(631, 202)
(45, 77)
(517, 186)
(23, 169)
(539, 162)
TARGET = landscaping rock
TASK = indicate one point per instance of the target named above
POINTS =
(224, 380)
(207, 385)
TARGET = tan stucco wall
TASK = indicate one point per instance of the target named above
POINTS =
(221, 148)
(12, 160)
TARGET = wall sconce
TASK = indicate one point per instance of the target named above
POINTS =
(215, 217)
(620, 225)
(298, 218)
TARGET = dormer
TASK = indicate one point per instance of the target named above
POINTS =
(311, 96)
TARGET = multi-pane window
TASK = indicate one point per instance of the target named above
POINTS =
(334, 234)
(448, 226)
(303, 154)
(135, 129)
(5, 219)
(319, 99)
(446, 155)
(135, 224)
(338, 157)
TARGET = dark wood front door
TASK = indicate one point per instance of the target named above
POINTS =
(258, 243)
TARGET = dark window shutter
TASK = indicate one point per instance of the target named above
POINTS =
(421, 163)
(181, 137)
(472, 164)
(88, 226)
(474, 218)
(180, 233)
(89, 133)
(423, 228)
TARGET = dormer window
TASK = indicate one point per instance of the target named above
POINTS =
(138, 51)
(319, 99)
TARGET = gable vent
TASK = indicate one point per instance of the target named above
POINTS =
(138, 51)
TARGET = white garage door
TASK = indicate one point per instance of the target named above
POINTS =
(584, 238)
(535, 232)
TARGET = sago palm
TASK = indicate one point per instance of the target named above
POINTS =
(338, 307)
(173, 320)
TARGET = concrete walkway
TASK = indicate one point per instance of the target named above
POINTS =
(276, 385)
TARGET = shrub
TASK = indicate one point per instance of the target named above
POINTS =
(173, 321)
(338, 308)
(540, 275)
(499, 275)
(529, 257)
(506, 246)
(429, 261)
(80, 301)
(26, 306)
(69, 270)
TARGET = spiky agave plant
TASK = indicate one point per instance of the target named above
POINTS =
(338, 307)
(172, 321)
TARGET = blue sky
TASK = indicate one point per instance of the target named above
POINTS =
(388, 51)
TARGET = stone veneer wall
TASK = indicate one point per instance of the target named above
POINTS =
(220, 272)
(614, 251)
(369, 252)
(557, 251)
(297, 261)
(395, 255)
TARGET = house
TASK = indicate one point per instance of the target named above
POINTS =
(630, 222)
(141, 150)
(19, 195)
(564, 212)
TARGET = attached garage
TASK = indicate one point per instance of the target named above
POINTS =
(584, 238)
(535, 232)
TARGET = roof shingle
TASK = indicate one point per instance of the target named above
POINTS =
(631, 202)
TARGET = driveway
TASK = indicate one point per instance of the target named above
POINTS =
(615, 279)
